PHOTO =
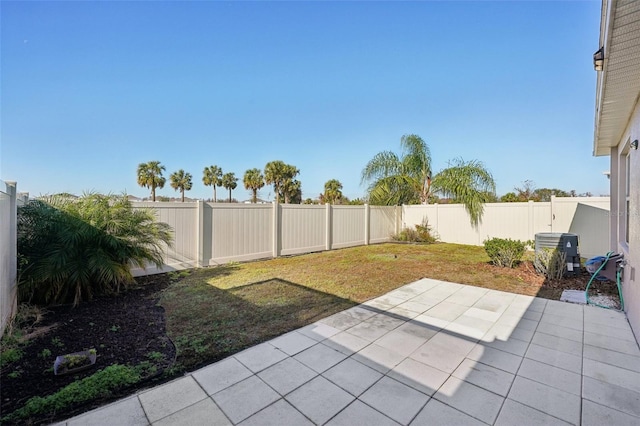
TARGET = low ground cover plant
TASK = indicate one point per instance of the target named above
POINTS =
(100, 384)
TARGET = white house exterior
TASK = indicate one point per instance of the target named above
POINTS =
(617, 131)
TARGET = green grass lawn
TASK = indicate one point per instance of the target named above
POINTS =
(214, 312)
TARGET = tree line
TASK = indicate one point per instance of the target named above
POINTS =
(391, 179)
(528, 192)
(282, 176)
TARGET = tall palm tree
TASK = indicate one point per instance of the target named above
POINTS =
(253, 180)
(212, 176)
(181, 181)
(408, 179)
(282, 176)
(150, 176)
(332, 191)
(229, 181)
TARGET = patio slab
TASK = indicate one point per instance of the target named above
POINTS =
(430, 352)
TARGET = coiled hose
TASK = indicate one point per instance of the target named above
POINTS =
(595, 274)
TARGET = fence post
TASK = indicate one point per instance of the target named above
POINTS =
(328, 226)
(398, 219)
(276, 229)
(553, 210)
(200, 233)
(530, 217)
(367, 231)
(13, 255)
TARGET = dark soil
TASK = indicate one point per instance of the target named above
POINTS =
(129, 329)
(125, 329)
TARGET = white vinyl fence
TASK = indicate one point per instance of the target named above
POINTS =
(588, 217)
(207, 234)
(8, 253)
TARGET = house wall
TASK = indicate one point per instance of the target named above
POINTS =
(631, 251)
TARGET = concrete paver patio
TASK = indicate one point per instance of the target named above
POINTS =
(430, 352)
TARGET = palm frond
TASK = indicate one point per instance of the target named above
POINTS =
(468, 183)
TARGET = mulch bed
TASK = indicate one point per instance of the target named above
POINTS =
(124, 329)
(127, 328)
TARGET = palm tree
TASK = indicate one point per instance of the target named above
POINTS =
(253, 180)
(212, 176)
(229, 181)
(282, 176)
(181, 181)
(75, 248)
(332, 191)
(292, 191)
(150, 176)
(409, 179)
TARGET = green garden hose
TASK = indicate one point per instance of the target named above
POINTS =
(595, 274)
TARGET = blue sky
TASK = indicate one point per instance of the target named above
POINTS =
(92, 89)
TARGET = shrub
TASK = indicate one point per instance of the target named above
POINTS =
(505, 252)
(75, 248)
(421, 234)
(550, 262)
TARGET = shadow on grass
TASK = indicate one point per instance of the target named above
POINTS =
(207, 323)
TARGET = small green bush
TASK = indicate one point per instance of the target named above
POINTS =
(550, 262)
(10, 355)
(505, 252)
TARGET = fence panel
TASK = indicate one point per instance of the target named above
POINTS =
(347, 226)
(382, 223)
(183, 219)
(585, 216)
(8, 253)
(238, 232)
(505, 220)
(303, 228)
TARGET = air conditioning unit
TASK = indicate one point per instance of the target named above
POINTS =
(565, 243)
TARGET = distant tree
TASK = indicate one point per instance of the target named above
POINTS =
(282, 177)
(527, 191)
(212, 176)
(150, 176)
(229, 181)
(544, 194)
(308, 201)
(509, 197)
(181, 181)
(409, 179)
(356, 202)
(332, 192)
(292, 192)
(253, 180)
(163, 198)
